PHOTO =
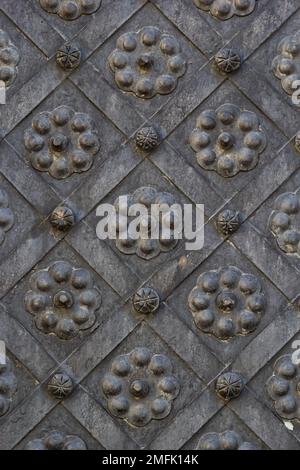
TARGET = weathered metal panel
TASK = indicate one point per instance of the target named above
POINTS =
(147, 345)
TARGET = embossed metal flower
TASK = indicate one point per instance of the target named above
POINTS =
(284, 222)
(228, 222)
(146, 300)
(63, 300)
(60, 386)
(228, 60)
(68, 57)
(56, 440)
(62, 218)
(147, 62)
(71, 9)
(284, 388)
(147, 138)
(225, 9)
(229, 385)
(6, 216)
(228, 140)
(227, 302)
(144, 246)
(228, 440)
(62, 142)
(286, 65)
(9, 59)
(8, 386)
(140, 387)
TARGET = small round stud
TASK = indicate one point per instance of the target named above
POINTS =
(228, 222)
(146, 301)
(229, 385)
(62, 218)
(60, 386)
(228, 60)
(147, 138)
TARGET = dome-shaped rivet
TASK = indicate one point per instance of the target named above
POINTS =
(228, 60)
(60, 386)
(147, 138)
(68, 57)
(62, 218)
(146, 301)
(229, 385)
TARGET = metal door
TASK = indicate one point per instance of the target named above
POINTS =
(132, 345)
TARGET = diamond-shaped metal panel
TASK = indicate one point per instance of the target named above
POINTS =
(133, 339)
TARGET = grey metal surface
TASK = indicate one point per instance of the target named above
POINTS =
(109, 393)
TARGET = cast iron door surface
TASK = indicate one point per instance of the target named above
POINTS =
(142, 343)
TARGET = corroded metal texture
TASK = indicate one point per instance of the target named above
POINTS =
(115, 344)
